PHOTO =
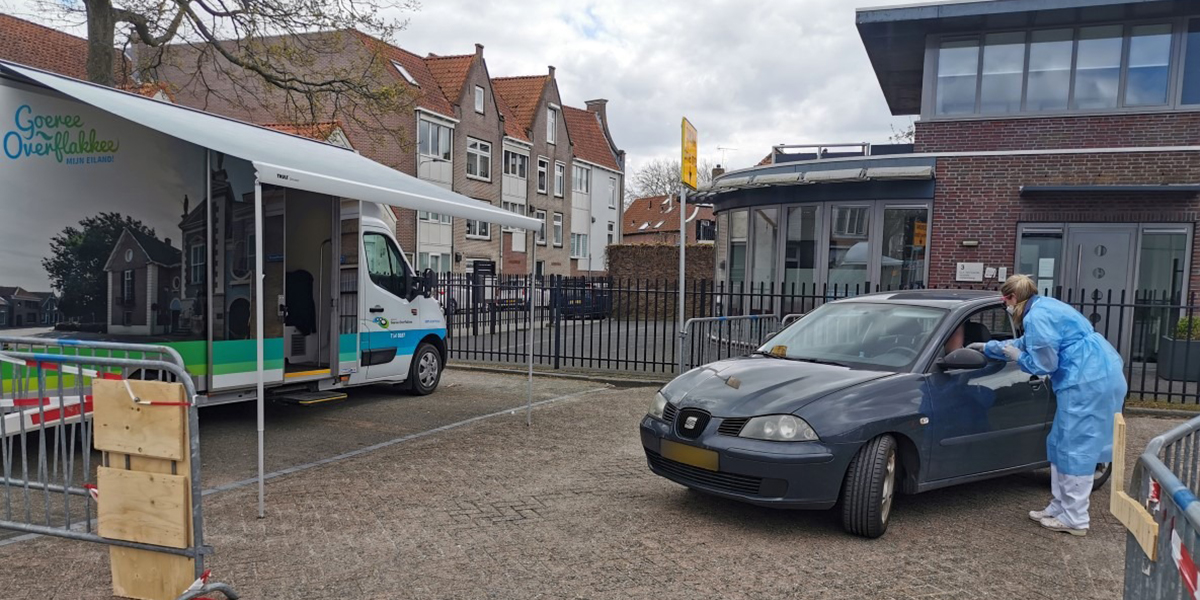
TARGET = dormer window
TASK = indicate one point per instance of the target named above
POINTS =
(405, 74)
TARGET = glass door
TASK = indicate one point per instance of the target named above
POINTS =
(1039, 254)
(1162, 273)
(800, 259)
(849, 249)
(764, 252)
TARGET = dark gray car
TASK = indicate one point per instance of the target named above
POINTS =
(859, 399)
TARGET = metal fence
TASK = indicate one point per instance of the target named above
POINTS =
(631, 324)
(47, 463)
(1166, 477)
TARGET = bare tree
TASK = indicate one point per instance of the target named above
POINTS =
(903, 136)
(661, 176)
(284, 49)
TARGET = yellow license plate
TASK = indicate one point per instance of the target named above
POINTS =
(689, 455)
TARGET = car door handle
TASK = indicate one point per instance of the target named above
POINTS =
(376, 309)
(1035, 382)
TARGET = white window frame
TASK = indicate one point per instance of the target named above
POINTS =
(435, 139)
(516, 164)
(560, 179)
(482, 230)
(479, 155)
(579, 245)
(612, 233)
(512, 207)
(432, 217)
(543, 172)
(127, 290)
(551, 125)
(558, 230)
(612, 192)
(581, 179)
(541, 234)
(480, 97)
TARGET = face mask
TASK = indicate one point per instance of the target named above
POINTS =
(1011, 310)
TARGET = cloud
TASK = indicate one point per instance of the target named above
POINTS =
(747, 75)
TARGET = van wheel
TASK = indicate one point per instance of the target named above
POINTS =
(870, 487)
(1103, 472)
(425, 371)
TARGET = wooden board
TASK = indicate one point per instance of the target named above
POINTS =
(149, 508)
(128, 428)
(1127, 510)
(149, 575)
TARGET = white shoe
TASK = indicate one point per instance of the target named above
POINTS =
(1037, 515)
(1054, 524)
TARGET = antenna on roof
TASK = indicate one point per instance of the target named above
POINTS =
(723, 149)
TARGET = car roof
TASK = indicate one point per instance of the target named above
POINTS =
(945, 299)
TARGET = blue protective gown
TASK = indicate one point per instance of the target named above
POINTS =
(1085, 374)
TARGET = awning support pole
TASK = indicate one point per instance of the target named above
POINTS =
(258, 346)
(532, 245)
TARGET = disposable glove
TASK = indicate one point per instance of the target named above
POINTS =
(977, 346)
(1011, 352)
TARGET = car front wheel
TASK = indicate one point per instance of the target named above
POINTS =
(870, 487)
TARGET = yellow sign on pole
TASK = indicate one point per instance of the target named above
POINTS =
(688, 165)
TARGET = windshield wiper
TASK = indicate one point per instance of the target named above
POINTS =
(820, 361)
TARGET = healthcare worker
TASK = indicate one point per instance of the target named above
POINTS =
(1085, 374)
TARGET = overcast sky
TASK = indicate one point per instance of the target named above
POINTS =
(747, 75)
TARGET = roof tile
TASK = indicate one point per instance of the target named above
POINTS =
(429, 93)
(41, 47)
(649, 215)
(588, 136)
(450, 73)
(522, 94)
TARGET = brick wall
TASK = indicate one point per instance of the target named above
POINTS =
(1109, 131)
(558, 261)
(978, 198)
(488, 128)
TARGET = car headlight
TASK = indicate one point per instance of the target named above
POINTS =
(779, 428)
(657, 406)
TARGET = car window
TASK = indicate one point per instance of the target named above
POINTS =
(879, 336)
(992, 323)
(386, 268)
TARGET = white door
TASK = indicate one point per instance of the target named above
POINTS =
(386, 347)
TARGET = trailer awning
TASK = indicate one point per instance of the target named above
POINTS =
(281, 159)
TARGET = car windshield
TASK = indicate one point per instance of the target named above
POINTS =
(863, 335)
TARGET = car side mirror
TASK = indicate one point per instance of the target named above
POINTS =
(963, 358)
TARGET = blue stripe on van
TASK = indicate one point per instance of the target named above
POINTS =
(405, 341)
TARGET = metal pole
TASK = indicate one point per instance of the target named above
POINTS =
(258, 346)
(529, 334)
(682, 245)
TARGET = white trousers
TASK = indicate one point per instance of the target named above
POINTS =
(1072, 495)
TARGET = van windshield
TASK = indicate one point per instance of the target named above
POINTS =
(864, 335)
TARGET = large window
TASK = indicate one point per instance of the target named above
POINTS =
(558, 229)
(902, 256)
(766, 231)
(579, 245)
(1093, 68)
(384, 264)
(127, 288)
(438, 263)
(541, 234)
(516, 164)
(434, 140)
(479, 159)
(849, 249)
(196, 267)
(580, 179)
(738, 235)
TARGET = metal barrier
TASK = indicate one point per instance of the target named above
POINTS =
(47, 471)
(1159, 551)
(710, 339)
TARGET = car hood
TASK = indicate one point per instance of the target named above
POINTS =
(763, 385)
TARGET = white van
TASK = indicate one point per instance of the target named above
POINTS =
(149, 221)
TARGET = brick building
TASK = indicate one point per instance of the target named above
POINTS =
(1057, 139)
(654, 220)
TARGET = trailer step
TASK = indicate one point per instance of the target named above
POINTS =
(308, 398)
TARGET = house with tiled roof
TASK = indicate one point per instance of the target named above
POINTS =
(41, 47)
(597, 181)
(536, 107)
(144, 274)
(24, 307)
(655, 220)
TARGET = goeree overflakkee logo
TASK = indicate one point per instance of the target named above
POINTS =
(63, 136)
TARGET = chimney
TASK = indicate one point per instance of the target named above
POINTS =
(478, 49)
(598, 106)
(551, 71)
(717, 172)
(167, 241)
